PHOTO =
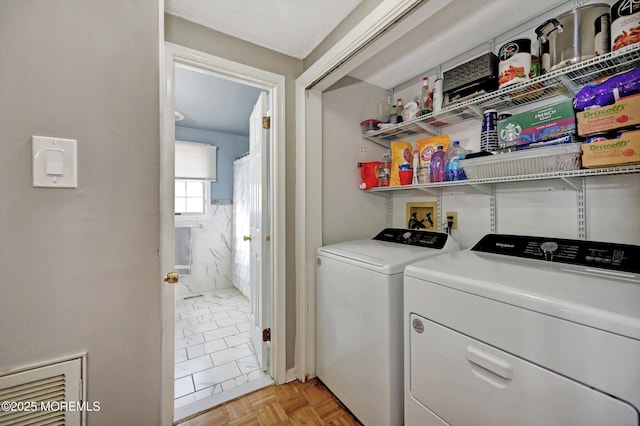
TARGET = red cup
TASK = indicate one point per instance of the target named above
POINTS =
(405, 177)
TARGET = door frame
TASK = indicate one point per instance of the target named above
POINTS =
(375, 32)
(274, 84)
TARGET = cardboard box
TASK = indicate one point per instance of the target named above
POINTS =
(612, 152)
(624, 113)
(548, 122)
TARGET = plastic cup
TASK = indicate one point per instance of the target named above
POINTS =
(405, 177)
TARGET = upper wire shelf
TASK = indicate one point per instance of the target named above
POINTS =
(567, 80)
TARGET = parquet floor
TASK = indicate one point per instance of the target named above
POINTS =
(293, 403)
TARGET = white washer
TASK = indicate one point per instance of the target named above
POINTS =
(523, 331)
(359, 319)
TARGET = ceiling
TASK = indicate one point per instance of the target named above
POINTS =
(212, 103)
(292, 27)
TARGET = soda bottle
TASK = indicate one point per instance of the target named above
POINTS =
(384, 170)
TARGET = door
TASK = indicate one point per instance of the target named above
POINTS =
(258, 219)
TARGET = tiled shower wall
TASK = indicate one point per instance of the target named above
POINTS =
(211, 252)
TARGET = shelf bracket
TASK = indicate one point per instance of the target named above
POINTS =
(476, 110)
(486, 189)
(575, 183)
(493, 211)
(379, 141)
(427, 128)
(434, 192)
(570, 85)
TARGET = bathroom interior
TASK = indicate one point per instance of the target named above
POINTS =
(214, 357)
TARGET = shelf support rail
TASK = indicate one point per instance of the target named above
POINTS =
(582, 210)
(492, 210)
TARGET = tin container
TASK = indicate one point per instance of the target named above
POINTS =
(515, 62)
(625, 23)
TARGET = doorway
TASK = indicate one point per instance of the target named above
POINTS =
(204, 372)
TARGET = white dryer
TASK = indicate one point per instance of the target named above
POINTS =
(359, 319)
(524, 331)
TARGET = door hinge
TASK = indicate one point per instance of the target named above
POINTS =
(266, 335)
(266, 122)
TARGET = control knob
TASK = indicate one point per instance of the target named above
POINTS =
(548, 249)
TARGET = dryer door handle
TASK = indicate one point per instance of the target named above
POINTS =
(490, 362)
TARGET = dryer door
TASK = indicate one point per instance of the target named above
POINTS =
(466, 382)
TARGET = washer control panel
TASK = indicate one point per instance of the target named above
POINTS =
(619, 257)
(413, 237)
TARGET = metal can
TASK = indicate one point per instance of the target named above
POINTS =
(515, 62)
(489, 133)
(625, 23)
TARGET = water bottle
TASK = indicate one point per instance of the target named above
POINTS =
(438, 162)
(453, 171)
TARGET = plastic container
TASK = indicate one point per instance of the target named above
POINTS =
(556, 158)
(453, 170)
(371, 124)
(438, 162)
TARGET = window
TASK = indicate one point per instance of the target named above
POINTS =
(190, 197)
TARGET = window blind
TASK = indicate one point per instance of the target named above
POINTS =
(195, 161)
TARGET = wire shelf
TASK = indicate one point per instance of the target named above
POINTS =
(565, 80)
(622, 170)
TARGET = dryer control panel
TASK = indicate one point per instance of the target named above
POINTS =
(413, 237)
(619, 257)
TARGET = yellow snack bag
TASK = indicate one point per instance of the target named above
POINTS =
(401, 155)
(426, 148)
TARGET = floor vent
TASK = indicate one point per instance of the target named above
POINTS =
(41, 396)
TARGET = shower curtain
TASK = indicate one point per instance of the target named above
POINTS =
(241, 226)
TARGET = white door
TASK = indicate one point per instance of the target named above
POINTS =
(258, 183)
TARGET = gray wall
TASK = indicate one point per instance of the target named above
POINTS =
(188, 34)
(80, 270)
(229, 146)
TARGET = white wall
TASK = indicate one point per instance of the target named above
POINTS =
(211, 240)
(348, 213)
(80, 267)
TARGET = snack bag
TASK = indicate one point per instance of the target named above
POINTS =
(426, 148)
(401, 156)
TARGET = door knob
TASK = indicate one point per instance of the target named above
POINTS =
(246, 238)
(172, 277)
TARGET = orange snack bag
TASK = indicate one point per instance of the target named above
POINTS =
(401, 154)
(426, 148)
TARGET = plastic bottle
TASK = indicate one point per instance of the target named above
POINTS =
(399, 110)
(384, 110)
(384, 170)
(438, 95)
(426, 99)
(416, 164)
(438, 162)
(453, 171)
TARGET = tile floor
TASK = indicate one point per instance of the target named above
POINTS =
(213, 348)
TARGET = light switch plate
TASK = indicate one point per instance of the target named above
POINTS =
(54, 162)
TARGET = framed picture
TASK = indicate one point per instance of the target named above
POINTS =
(422, 215)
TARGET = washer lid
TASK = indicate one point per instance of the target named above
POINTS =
(600, 298)
(389, 257)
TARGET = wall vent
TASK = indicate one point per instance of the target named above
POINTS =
(38, 396)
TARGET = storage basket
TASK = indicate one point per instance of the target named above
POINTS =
(531, 161)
